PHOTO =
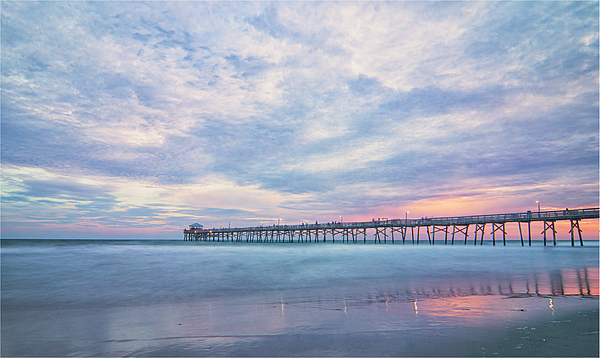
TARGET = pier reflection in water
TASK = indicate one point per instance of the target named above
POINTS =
(582, 282)
(568, 282)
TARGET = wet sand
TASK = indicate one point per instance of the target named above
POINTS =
(451, 326)
(574, 335)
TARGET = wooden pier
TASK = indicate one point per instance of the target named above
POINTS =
(448, 229)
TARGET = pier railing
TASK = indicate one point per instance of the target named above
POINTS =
(553, 215)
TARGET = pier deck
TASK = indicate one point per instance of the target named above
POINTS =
(451, 227)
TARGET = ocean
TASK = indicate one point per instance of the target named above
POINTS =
(176, 298)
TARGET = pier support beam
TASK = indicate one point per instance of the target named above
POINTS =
(402, 231)
(457, 228)
(478, 228)
(498, 227)
(437, 229)
(379, 231)
(521, 234)
(575, 225)
(547, 227)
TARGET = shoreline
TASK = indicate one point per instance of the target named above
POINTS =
(567, 335)
(490, 326)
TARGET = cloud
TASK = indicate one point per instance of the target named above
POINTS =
(302, 108)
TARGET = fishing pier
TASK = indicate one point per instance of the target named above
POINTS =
(448, 229)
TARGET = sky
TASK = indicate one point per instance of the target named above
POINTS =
(136, 119)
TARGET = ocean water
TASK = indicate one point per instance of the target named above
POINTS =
(175, 298)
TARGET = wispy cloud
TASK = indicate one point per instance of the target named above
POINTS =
(130, 114)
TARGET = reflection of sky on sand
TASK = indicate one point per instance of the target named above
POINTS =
(224, 327)
(228, 329)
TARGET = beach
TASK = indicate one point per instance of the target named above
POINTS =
(168, 298)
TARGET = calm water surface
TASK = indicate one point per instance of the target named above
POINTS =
(174, 298)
